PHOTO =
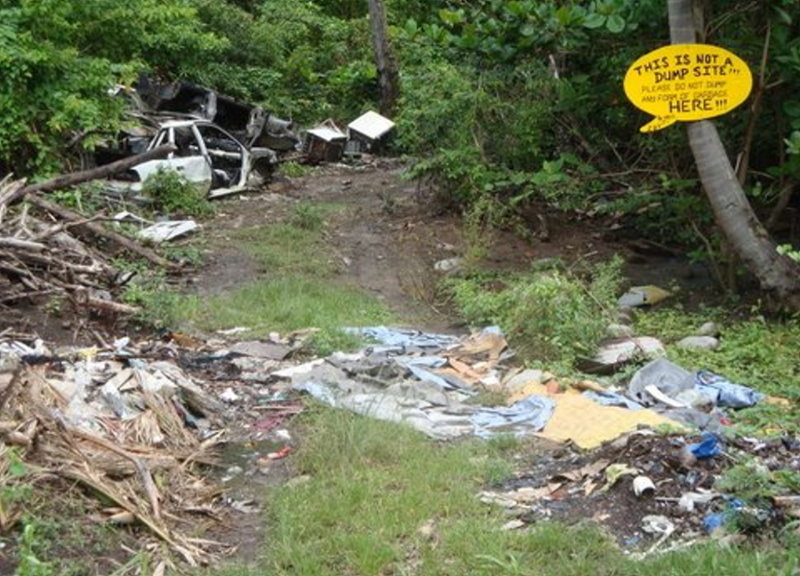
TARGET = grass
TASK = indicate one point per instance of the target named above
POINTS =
(383, 499)
(286, 304)
(297, 287)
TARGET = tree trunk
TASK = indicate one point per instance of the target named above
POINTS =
(388, 77)
(749, 239)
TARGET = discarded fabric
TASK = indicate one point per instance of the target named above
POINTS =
(727, 393)
(609, 398)
(709, 446)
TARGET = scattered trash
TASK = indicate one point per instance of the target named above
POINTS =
(643, 296)
(425, 380)
(616, 471)
(689, 501)
(563, 486)
(282, 453)
(229, 396)
(643, 486)
(708, 447)
(258, 349)
(613, 355)
(713, 522)
(658, 525)
(114, 426)
(619, 331)
(448, 265)
(692, 398)
(725, 392)
(169, 230)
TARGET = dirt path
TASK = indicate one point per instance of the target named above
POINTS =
(385, 240)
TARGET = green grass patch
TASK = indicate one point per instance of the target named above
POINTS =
(374, 486)
(285, 304)
(297, 288)
(753, 352)
(285, 249)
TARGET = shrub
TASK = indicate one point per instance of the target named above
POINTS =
(172, 193)
(552, 316)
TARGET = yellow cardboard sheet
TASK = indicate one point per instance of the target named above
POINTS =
(587, 423)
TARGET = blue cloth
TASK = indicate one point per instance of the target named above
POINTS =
(400, 337)
(608, 398)
(528, 415)
(727, 393)
(709, 446)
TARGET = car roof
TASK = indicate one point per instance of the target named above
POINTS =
(184, 123)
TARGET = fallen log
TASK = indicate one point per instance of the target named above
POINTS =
(67, 180)
(9, 191)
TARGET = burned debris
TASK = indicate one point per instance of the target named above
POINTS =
(222, 145)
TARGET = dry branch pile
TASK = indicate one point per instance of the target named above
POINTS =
(118, 428)
(46, 249)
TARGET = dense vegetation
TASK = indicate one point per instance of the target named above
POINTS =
(503, 104)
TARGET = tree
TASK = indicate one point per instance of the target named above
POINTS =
(388, 77)
(745, 234)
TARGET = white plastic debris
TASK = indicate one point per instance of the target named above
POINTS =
(164, 231)
(643, 486)
(229, 396)
(372, 125)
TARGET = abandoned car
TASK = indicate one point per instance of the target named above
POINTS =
(207, 156)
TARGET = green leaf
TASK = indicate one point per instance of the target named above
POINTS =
(450, 17)
(594, 20)
(516, 8)
(783, 16)
(527, 30)
(792, 108)
(615, 24)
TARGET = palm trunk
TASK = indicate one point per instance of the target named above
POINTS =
(745, 234)
(388, 77)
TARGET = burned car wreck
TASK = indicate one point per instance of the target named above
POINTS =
(207, 156)
(222, 145)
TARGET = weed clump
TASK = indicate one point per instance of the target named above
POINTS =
(553, 315)
(173, 194)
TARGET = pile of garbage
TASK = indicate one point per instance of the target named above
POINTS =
(434, 383)
(142, 428)
(47, 250)
(135, 431)
(146, 429)
(423, 380)
(655, 493)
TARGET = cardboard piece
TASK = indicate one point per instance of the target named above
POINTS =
(587, 424)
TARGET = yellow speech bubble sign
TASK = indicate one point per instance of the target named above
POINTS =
(687, 82)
